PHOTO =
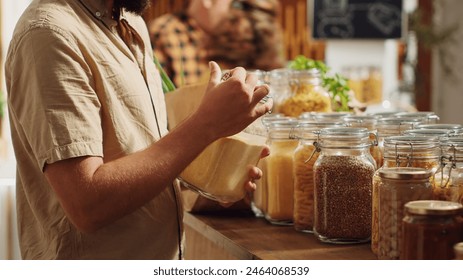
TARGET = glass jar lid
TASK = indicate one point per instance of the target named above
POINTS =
(309, 130)
(429, 132)
(405, 173)
(283, 129)
(447, 126)
(428, 117)
(333, 116)
(452, 148)
(433, 207)
(411, 147)
(362, 121)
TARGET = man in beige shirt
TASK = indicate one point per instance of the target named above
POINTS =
(95, 163)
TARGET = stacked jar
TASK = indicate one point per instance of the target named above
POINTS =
(304, 158)
(307, 94)
(279, 177)
(431, 229)
(398, 186)
(427, 117)
(402, 151)
(448, 181)
(343, 176)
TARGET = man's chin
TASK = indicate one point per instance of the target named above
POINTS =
(135, 6)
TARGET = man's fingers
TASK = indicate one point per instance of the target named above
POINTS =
(216, 73)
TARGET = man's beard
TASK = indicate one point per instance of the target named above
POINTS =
(134, 6)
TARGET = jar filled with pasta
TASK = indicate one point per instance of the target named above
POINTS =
(307, 94)
(279, 176)
(403, 151)
(343, 176)
(448, 181)
(397, 186)
(304, 158)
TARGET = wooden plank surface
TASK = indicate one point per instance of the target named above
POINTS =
(242, 236)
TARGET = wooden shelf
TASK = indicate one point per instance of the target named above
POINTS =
(239, 235)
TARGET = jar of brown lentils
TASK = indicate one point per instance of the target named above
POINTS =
(343, 176)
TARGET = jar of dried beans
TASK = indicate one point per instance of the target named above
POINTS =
(402, 151)
(398, 186)
(343, 176)
(279, 177)
(304, 158)
(431, 228)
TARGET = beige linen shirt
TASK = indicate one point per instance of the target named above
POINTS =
(82, 84)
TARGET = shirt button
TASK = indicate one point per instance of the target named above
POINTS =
(98, 14)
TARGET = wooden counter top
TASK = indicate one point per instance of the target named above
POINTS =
(239, 235)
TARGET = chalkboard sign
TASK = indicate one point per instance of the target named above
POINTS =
(356, 19)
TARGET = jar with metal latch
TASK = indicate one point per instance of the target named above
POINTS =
(343, 176)
(403, 151)
(397, 186)
(304, 158)
(431, 228)
(259, 196)
(369, 122)
(448, 181)
(393, 126)
(280, 90)
(279, 177)
(427, 117)
(433, 132)
(307, 94)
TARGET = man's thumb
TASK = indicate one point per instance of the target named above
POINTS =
(216, 73)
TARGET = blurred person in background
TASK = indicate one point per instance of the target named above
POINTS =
(232, 32)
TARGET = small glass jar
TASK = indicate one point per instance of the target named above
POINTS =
(332, 116)
(448, 181)
(402, 151)
(307, 94)
(431, 228)
(279, 177)
(368, 122)
(304, 158)
(343, 176)
(398, 186)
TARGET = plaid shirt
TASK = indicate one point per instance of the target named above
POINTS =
(176, 41)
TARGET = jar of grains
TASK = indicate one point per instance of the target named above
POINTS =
(402, 151)
(304, 158)
(448, 181)
(431, 228)
(279, 177)
(343, 176)
(398, 186)
(307, 94)
(369, 122)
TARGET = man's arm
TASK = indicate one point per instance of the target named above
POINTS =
(94, 194)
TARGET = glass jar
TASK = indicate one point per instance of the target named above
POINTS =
(331, 117)
(304, 158)
(307, 94)
(427, 117)
(368, 122)
(279, 177)
(448, 181)
(431, 228)
(279, 82)
(402, 151)
(433, 132)
(259, 196)
(343, 176)
(393, 126)
(458, 250)
(398, 186)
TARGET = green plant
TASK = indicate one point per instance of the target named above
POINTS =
(167, 84)
(336, 85)
(2, 105)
